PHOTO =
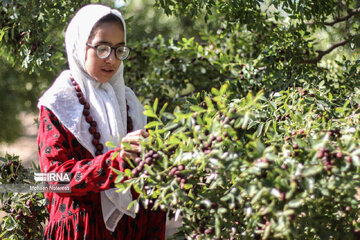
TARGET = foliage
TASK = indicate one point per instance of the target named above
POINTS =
(260, 135)
(31, 55)
(19, 93)
(29, 36)
(272, 52)
(32, 50)
(170, 70)
(144, 22)
(273, 44)
(294, 25)
(25, 213)
(255, 167)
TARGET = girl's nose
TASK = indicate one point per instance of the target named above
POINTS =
(112, 56)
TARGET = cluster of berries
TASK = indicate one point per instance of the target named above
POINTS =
(149, 159)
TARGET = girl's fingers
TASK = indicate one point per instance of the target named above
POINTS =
(131, 138)
(127, 155)
(144, 134)
(139, 132)
(135, 137)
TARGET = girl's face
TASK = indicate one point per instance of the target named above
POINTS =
(111, 34)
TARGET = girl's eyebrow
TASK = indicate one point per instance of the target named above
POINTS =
(109, 43)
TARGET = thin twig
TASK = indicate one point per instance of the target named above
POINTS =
(321, 54)
(340, 19)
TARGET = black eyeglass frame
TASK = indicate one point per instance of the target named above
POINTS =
(112, 48)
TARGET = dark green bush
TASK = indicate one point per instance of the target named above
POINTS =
(25, 213)
(256, 167)
(260, 137)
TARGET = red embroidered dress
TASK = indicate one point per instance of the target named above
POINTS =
(78, 215)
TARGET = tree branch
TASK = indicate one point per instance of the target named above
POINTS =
(351, 12)
(321, 54)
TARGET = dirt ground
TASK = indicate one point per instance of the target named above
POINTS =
(26, 148)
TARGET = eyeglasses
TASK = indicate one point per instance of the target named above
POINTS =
(104, 51)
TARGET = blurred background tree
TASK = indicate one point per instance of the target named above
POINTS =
(178, 46)
(308, 48)
(32, 50)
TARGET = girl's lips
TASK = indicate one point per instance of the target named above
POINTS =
(107, 70)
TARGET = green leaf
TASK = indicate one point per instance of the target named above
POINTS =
(209, 103)
(155, 105)
(180, 129)
(129, 161)
(128, 172)
(153, 124)
(223, 89)
(149, 170)
(274, 127)
(259, 130)
(168, 116)
(163, 109)
(214, 91)
(114, 155)
(127, 145)
(295, 203)
(118, 172)
(258, 195)
(330, 96)
(217, 225)
(110, 144)
(136, 188)
(196, 108)
(311, 171)
(356, 160)
(340, 110)
(188, 186)
(3, 31)
(171, 126)
(119, 178)
(267, 232)
(150, 113)
(120, 186)
(133, 203)
(245, 120)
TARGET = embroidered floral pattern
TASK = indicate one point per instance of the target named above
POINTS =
(78, 177)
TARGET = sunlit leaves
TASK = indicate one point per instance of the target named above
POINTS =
(266, 160)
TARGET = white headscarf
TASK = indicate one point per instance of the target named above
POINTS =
(107, 102)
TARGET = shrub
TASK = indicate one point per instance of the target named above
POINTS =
(25, 213)
(254, 167)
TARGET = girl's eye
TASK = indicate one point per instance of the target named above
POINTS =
(102, 49)
(119, 51)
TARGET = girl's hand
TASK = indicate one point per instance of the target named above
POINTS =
(132, 138)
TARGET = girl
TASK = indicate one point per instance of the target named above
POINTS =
(86, 106)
